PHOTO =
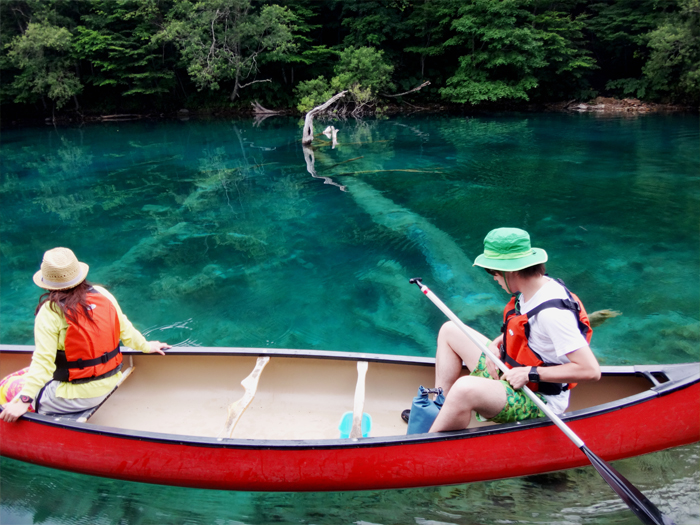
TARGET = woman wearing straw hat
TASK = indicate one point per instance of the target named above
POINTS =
(545, 334)
(77, 332)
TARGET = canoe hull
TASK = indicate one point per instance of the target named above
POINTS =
(645, 423)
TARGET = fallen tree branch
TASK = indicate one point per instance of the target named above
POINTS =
(259, 109)
(343, 162)
(225, 170)
(436, 170)
(368, 142)
(426, 83)
(253, 82)
(126, 115)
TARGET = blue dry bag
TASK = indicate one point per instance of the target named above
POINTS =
(424, 410)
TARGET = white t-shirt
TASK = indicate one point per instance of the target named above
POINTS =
(554, 333)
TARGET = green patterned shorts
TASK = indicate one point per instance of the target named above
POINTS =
(518, 405)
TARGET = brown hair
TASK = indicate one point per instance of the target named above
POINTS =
(532, 271)
(70, 302)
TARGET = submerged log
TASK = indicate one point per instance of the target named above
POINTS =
(308, 135)
(448, 262)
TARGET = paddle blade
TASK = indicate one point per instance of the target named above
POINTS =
(645, 510)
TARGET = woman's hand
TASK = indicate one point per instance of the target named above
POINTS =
(13, 410)
(157, 347)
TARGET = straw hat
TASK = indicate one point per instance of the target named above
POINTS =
(509, 250)
(60, 270)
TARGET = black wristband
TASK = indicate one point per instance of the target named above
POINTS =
(534, 376)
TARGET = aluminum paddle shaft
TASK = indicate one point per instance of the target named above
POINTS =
(645, 510)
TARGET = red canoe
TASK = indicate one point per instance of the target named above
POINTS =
(184, 419)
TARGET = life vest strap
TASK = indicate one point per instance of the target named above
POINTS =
(95, 378)
(562, 304)
(552, 389)
(84, 363)
(63, 366)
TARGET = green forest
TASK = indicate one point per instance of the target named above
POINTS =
(88, 57)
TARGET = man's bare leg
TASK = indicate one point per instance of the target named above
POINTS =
(486, 396)
(453, 348)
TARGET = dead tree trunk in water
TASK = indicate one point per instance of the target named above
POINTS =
(311, 168)
(308, 135)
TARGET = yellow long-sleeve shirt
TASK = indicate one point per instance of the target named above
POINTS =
(50, 335)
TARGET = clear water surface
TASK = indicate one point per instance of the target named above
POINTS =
(217, 233)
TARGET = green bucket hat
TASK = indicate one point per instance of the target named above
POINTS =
(509, 250)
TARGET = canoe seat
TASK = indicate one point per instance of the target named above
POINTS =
(82, 417)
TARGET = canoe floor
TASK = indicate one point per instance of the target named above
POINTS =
(296, 398)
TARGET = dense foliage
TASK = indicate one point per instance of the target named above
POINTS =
(161, 55)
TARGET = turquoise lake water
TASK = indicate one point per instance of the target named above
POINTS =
(215, 233)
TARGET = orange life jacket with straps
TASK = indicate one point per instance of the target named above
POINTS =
(92, 345)
(515, 349)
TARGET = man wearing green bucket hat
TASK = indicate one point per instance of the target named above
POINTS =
(544, 342)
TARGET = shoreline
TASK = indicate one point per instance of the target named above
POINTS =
(599, 106)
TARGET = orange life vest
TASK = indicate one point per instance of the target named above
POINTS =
(92, 348)
(516, 351)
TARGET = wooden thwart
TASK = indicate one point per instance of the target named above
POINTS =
(236, 409)
(358, 409)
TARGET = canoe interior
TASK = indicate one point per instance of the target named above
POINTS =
(296, 398)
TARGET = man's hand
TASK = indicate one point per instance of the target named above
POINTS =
(495, 347)
(517, 377)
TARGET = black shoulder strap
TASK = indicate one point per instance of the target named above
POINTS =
(562, 304)
(568, 293)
